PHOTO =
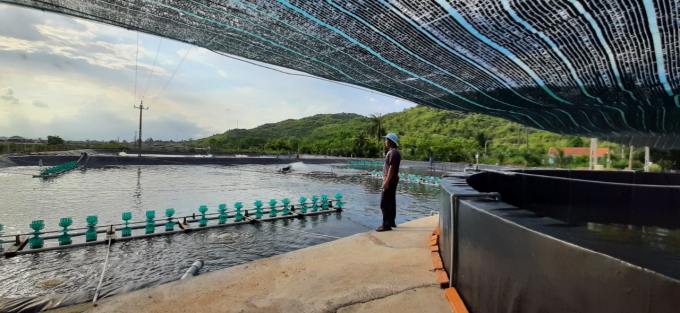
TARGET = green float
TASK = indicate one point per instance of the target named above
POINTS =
(169, 225)
(258, 209)
(222, 208)
(65, 238)
(303, 204)
(285, 203)
(126, 231)
(203, 221)
(239, 216)
(91, 233)
(315, 206)
(36, 242)
(150, 224)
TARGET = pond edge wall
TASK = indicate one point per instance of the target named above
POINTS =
(509, 260)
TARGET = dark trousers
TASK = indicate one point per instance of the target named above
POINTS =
(388, 205)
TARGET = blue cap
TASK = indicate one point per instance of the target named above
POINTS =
(393, 137)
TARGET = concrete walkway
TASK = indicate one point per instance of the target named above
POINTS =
(368, 272)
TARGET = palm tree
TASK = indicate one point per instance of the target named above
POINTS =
(360, 141)
(376, 128)
(560, 156)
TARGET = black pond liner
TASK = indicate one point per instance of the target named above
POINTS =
(50, 302)
(557, 245)
(578, 197)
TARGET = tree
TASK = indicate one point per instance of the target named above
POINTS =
(360, 141)
(481, 139)
(560, 156)
(376, 128)
(576, 142)
(54, 140)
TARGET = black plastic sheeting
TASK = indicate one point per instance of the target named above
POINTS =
(578, 202)
(102, 161)
(510, 260)
(44, 303)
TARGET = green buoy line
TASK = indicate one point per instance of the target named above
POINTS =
(410, 178)
(92, 220)
(315, 205)
(59, 169)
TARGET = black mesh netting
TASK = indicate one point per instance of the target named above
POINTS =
(598, 68)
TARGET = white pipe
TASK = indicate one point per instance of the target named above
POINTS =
(101, 279)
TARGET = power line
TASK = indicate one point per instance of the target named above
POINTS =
(173, 75)
(136, 57)
(152, 68)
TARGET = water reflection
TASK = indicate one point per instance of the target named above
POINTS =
(137, 195)
(652, 237)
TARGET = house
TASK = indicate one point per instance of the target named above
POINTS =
(16, 139)
(601, 152)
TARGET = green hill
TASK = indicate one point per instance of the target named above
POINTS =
(424, 132)
(313, 127)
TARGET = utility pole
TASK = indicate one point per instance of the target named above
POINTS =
(647, 160)
(527, 138)
(593, 154)
(519, 136)
(609, 160)
(139, 140)
(630, 159)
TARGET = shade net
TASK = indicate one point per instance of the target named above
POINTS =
(598, 68)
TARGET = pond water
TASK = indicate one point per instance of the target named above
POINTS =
(108, 192)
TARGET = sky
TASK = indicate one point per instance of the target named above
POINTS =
(79, 80)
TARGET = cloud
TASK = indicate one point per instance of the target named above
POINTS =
(8, 96)
(78, 80)
(40, 104)
(81, 44)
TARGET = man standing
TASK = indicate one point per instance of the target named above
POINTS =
(388, 201)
